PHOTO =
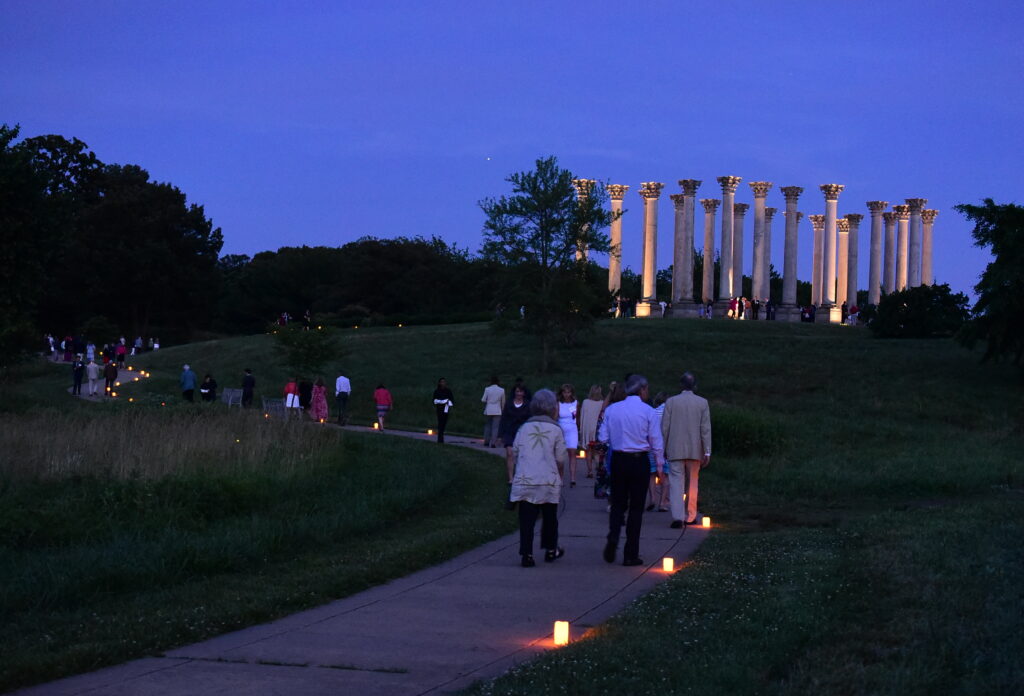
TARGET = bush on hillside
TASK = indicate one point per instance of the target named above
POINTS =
(927, 311)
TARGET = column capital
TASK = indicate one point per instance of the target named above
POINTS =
(854, 219)
(690, 186)
(817, 222)
(740, 208)
(650, 189)
(877, 206)
(929, 215)
(901, 212)
(678, 200)
(710, 204)
(760, 188)
(583, 187)
(769, 213)
(832, 191)
(729, 183)
(842, 225)
(889, 217)
(792, 192)
(916, 205)
(799, 215)
(617, 191)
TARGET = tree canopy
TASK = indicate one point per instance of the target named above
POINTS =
(926, 311)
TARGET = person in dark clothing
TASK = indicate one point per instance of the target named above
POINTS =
(248, 387)
(77, 373)
(109, 377)
(305, 394)
(517, 411)
(208, 388)
(443, 401)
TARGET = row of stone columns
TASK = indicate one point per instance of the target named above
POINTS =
(898, 258)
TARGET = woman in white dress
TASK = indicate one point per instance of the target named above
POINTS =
(567, 420)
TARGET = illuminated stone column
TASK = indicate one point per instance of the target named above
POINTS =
(616, 192)
(817, 291)
(828, 250)
(875, 262)
(842, 258)
(792, 194)
(682, 263)
(927, 272)
(766, 261)
(760, 189)
(678, 242)
(902, 213)
(852, 258)
(583, 189)
(916, 205)
(728, 184)
(739, 213)
(648, 304)
(708, 280)
(889, 265)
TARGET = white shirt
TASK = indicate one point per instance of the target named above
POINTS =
(342, 385)
(632, 426)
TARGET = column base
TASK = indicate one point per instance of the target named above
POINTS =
(787, 313)
(648, 308)
(684, 309)
(829, 315)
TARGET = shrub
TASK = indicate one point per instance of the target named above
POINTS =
(927, 311)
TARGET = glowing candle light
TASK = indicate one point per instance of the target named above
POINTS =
(582, 454)
(130, 368)
(430, 431)
(237, 440)
(706, 522)
(321, 421)
(117, 384)
(266, 415)
(376, 426)
(561, 633)
(135, 379)
(163, 403)
(113, 394)
(130, 399)
(668, 564)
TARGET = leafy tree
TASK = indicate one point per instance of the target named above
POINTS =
(533, 235)
(996, 317)
(927, 311)
(306, 352)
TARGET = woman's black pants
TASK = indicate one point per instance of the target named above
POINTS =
(548, 528)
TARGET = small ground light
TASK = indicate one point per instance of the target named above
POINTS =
(321, 421)
(117, 384)
(668, 564)
(561, 633)
(706, 522)
(135, 379)
(376, 426)
(130, 368)
(582, 454)
(130, 399)
(266, 415)
(163, 403)
(237, 440)
(113, 394)
(430, 431)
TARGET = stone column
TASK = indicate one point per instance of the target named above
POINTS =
(760, 189)
(817, 289)
(583, 189)
(792, 194)
(728, 184)
(842, 257)
(648, 304)
(708, 281)
(766, 273)
(916, 205)
(678, 242)
(875, 262)
(902, 214)
(927, 273)
(682, 264)
(852, 258)
(828, 247)
(616, 192)
(739, 212)
(889, 267)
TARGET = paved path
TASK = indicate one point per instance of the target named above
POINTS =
(435, 631)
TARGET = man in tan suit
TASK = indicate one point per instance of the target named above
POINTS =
(686, 428)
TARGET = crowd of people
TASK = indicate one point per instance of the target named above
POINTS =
(89, 363)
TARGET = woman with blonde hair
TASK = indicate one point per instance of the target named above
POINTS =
(590, 411)
(568, 419)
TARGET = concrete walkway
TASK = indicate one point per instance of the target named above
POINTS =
(435, 631)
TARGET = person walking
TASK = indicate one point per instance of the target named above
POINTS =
(658, 486)
(77, 373)
(540, 457)
(187, 381)
(512, 418)
(382, 397)
(629, 429)
(208, 389)
(494, 403)
(109, 378)
(291, 397)
(342, 390)
(567, 418)
(686, 428)
(119, 352)
(90, 351)
(590, 412)
(248, 385)
(443, 402)
(92, 373)
(318, 406)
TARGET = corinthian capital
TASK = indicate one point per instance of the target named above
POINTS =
(760, 188)
(690, 186)
(842, 225)
(817, 222)
(916, 205)
(832, 191)
(710, 204)
(901, 212)
(929, 215)
(888, 218)
(769, 213)
(792, 192)
(740, 208)
(854, 219)
(650, 189)
(678, 200)
(617, 191)
(583, 187)
(729, 183)
(877, 206)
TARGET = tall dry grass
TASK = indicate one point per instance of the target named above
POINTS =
(149, 444)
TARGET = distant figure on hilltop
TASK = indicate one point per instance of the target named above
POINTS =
(187, 382)
(208, 389)
(248, 388)
(342, 390)
(443, 402)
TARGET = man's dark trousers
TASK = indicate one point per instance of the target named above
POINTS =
(631, 472)
(341, 400)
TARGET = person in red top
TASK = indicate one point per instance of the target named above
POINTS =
(382, 397)
(291, 394)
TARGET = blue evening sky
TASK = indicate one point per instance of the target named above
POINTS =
(320, 122)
